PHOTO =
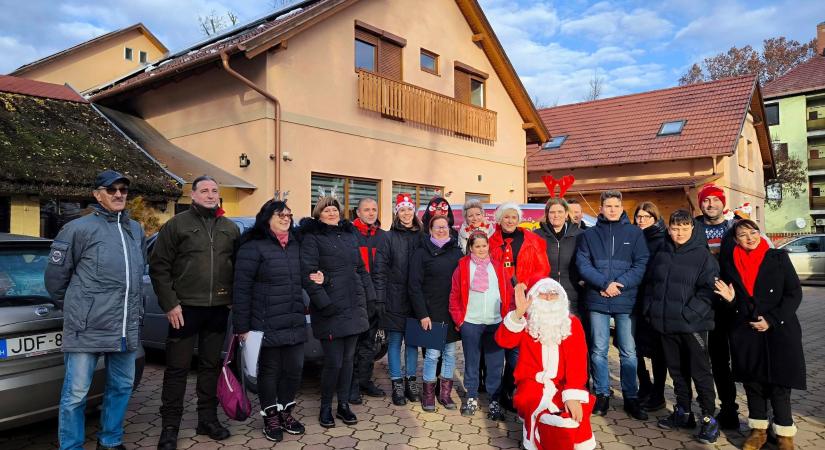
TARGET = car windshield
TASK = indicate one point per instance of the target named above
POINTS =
(21, 274)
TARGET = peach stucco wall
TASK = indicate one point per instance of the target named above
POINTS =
(98, 63)
(324, 131)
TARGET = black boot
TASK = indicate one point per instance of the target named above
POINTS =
(289, 423)
(345, 414)
(398, 393)
(602, 405)
(411, 390)
(273, 429)
(325, 418)
(634, 409)
(168, 438)
(213, 429)
(371, 390)
(728, 419)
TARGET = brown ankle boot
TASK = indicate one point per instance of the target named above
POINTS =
(756, 440)
(428, 396)
(444, 393)
(784, 442)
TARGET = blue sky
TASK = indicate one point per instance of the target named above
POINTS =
(556, 47)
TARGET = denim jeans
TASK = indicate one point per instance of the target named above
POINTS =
(80, 368)
(600, 334)
(447, 364)
(394, 339)
(475, 339)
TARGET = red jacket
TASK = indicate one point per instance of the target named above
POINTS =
(460, 292)
(531, 261)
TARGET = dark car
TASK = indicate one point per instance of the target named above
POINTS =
(156, 327)
(31, 332)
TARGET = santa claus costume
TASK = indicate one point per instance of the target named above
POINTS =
(552, 369)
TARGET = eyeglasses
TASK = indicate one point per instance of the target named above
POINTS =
(441, 228)
(284, 215)
(112, 190)
(643, 217)
(443, 207)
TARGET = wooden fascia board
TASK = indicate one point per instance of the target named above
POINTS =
(264, 41)
(153, 39)
(762, 129)
(501, 64)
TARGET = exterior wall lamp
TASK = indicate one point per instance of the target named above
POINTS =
(244, 160)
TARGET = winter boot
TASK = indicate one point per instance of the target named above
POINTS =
(273, 428)
(445, 390)
(398, 398)
(758, 436)
(469, 407)
(728, 419)
(371, 390)
(345, 414)
(289, 423)
(411, 390)
(428, 396)
(633, 409)
(784, 436)
(325, 418)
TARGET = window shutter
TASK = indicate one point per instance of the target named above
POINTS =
(362, 35)
(389, 60)
(462, 85)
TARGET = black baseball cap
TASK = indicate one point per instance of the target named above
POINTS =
(109, 177)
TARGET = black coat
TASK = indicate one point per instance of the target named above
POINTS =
(562, 257)
(647, 339)
(774, 356)
(679, 296)
(391, 275)
(267, 291)
(338, 308)
(431, 275)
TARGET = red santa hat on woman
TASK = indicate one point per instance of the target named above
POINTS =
(403, 200)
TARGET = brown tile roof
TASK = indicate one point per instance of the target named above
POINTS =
(806, 77)
(33, 88)
(623, 130)
(210, 50)
(138, 26)
(632, 185)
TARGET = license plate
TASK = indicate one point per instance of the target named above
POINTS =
(31, 345)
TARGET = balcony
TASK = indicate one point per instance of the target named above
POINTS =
(817, 202)
(816, 163)
(816, 124)
(403, 101)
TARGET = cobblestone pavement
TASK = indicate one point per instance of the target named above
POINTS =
(384, 426)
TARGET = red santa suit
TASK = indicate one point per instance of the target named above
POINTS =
(546, 376)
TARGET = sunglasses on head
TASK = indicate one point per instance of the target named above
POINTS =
(112, 190)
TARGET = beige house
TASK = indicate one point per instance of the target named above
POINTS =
(97, 61)
(369, 97)
(660, 146)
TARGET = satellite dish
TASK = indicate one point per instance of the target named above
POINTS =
(800, 223)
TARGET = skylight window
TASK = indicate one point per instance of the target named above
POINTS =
(674, 127)
(555, 142)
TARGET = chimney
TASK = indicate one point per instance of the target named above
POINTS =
(820, 39)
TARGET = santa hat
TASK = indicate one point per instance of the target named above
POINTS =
(509, 206)
(744, 211)
(711, 189)
(546, 285)
(403, 200)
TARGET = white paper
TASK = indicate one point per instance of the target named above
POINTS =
(251, 350)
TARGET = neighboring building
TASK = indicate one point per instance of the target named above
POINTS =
(53, 143)
(97, 61)
(795, 105)
(660, 146)
(363, 96)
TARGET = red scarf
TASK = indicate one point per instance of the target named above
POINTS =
(748, 262)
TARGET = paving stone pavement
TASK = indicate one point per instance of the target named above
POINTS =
(384, 426)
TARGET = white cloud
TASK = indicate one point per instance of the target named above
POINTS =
(607, 26)
(14, 52)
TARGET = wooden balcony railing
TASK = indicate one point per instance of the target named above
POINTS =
(816, 163)
(816, 124)
(411, 103)
(817, 202)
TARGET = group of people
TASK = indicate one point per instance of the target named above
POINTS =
(706, 299)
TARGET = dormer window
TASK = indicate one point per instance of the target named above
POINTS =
(554, 143)
(673, 127)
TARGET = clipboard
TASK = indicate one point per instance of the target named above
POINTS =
(416, 336)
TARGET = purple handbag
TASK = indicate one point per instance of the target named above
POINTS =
(231, 392)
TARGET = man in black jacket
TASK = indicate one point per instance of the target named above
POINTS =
(192, 272)
(679, 304)
(369, 236)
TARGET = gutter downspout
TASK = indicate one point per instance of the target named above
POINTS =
(263, 92)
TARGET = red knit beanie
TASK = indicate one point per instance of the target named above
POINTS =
(711, 189)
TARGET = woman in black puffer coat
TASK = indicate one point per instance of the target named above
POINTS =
(391, 276)
(648, 342)
(267, 297)
(431, 276)
(338, 308)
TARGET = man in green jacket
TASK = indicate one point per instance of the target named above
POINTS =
(192, 271)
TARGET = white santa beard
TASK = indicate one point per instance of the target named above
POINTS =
(549, 321)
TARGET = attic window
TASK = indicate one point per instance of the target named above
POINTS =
(555, 142)
(127, 53)
(674, 127)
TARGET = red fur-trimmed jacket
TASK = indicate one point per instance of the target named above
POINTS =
(460, 292)
(531, 261)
